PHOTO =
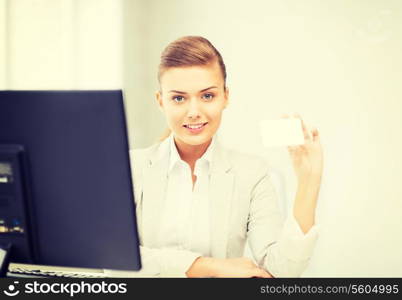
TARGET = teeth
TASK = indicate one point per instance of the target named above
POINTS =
(195, 126)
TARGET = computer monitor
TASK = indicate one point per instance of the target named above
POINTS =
(66, 196)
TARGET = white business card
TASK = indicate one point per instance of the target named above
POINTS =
(282, 132)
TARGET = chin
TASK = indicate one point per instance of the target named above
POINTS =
(195, 140)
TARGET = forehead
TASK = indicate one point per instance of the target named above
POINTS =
(191, 79)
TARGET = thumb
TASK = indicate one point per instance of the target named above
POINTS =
(316, 134)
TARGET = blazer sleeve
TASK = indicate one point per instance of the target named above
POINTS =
(278, 246)
(162, 262)
(167, 262)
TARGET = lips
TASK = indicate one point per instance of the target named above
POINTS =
(195, 126)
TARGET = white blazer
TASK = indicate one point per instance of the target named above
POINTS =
(244, 206)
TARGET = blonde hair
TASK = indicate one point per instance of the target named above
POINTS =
(189, 51)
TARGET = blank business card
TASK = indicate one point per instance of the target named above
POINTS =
(282, 132)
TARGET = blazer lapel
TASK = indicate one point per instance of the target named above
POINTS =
(221, 192)
(154, 190)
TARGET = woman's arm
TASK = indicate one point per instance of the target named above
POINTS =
(307, 160)
(277, 246)
(229, 267)
(182, 263)
(306, 202)
(284, 250)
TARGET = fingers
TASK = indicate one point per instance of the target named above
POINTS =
(258, 272)
(306, 131)
(309, 135)
(265, 274)
(316, 135)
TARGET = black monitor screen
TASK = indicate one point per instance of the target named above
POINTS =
(66, 196)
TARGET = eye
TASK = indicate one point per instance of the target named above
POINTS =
(208, 96)
(178, 99)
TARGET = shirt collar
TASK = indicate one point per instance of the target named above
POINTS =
(175, 157)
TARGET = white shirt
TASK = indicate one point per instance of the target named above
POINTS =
(185, 221)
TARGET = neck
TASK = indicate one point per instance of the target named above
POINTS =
(190, 153)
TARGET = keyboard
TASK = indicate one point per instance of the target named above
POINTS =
(37, 271)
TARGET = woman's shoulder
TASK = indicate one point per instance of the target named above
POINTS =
(242, 160)
(146, 150)
(151, 153)
(238, 156)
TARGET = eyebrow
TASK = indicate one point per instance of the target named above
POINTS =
(180, 92)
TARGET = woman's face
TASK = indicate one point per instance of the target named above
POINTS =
(192, 99)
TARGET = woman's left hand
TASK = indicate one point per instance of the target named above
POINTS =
(307, 159)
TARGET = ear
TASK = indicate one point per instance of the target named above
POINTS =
(226, 97)
(158, 95)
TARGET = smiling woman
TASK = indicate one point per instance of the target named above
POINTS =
(197, 202)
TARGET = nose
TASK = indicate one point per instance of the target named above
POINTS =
(193, 109)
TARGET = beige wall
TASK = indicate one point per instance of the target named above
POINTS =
(64, 44)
